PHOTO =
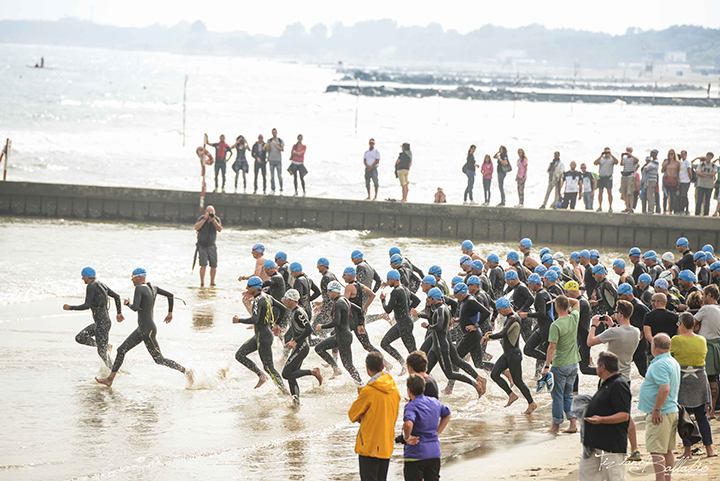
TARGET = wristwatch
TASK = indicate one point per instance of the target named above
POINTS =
(547, 367)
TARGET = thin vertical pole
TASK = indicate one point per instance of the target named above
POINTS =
(184, 100)
(5, 153)
(357, 102)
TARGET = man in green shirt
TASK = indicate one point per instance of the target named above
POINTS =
(563, 355)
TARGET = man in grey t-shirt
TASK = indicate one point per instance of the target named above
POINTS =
(606, 163)
(275, 147)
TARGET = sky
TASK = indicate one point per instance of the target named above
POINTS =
(610, 16)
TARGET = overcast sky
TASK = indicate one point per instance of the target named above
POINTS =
(612, 16)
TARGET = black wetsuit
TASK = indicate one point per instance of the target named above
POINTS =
(472, 313)
(486, 325)
(639, 269)
(589, 281)
(357, 317)
(704, 276)
(655, 272)
(687, 261)
(442, 285)
(400, 302)
(143, 303)
(555, 290)
(263, 320)
(511, 357)
(543, 315)
(438, 327)
(606, 295)
(522, 300)
(284, 271)
(408, 278)
(325, 313)
(97, 333)
(497, 282)
(582, 334)
(638, 320)
(341, 339)
(300, 330)
(522, 274)
(367, 275)
(308, 291)
(644, 295)
(414, 279)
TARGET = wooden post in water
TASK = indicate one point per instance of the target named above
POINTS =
(184, 99)
(5, 153)
(357, 102)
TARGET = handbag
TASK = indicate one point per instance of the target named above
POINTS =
(687, 429)
(506, 168)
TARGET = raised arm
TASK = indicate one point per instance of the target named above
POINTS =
(116, 298)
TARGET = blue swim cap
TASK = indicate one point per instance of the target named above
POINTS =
(594, 254)
(645, 278)
(429, 280)
(547, 259)
(715, 266)
(513, 256)
(662, 284)
(435, 270)
(625, 289)
(350, 271)
(511, 275)
(140, 272)
(699, 255)
(259, 247)
(468, 245)
(456, 280)
(534, 279)
(255, 282)
(296, 267)
(435, 293)
(473, 280)
(682, 241)
(88, 272)
(477, 265)
(281, 256)
(650, 255)
(544, 251)
(708, 248)
(460, 288)
(393, 274)
(584, 253)
(323, 262)
(635, 251)
(356, 254)
(709, 256)
(502, 303)
(526, 243)
(541, 270)
(394, 250)
(269, 264)
(465, 260)
(556, 269)
(619, 263)
(575, 256)
(688, 276)
(493, 258)
(552, 276)
(599, 269)
(396, 259)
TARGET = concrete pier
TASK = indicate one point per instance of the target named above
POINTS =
(563, 227)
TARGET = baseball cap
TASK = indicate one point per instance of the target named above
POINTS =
(465, 260)
(350, 271)
(682, 241)
(502, 303)
(571, 286)
(259, 248)
(599, 269)
(534, 279)
(645, 278)
(513, 256)
(493, 258)
(269, 264)
(88, 272)
(468, 245)
(460, 288)
(296, 267)
(473, 280)
(435, 270)
(635, 251)
(477, 265)
(394, 250)
(255, 282)
(281, 256)
(619, 263)
(139, 271)
(429, 280)
(435, 293)
(688, 276)
(662, 284)
(323, 262)
(356, 254)
(396, 259)
(511, 275)
(334, 286)
(393, 274)
(625, 289)
(292, 295)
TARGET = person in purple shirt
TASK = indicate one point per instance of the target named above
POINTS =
(423, 421)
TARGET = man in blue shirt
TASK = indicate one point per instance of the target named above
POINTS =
(658, 399)
(424, 419)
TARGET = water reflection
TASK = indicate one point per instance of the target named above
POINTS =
(203, 315)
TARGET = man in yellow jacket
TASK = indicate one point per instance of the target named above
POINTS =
(376, 409)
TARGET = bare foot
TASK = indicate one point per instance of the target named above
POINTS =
(317, 375)
(190, 376)
(531, 407)
(551, 431)
(479, 389)
(710, 453)
(488, 356)
(483, 383)
(261, 380)
(367, 198)
(336, 373)
(511, 399)
(105, 380)
(447, 391)
(569, 431)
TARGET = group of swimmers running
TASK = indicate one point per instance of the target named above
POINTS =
(459, 317)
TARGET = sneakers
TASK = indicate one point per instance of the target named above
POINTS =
(465, 202)
(542, 206)
(547, 381)
(296, 193)
(215, 190)
(472, 202)
(223, 190)
(635, 456)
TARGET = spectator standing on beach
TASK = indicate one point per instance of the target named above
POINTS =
(486, 169)
(402, 169)
(275, 147)
(503, 167)
(630, 165)
(686, 175)
(555, 172)
(706, 173)
(659, 400)
(522, 166)
(376, 409)
(207, 227)
(606, 419)
(371, 160)
(606, 164)
(573, 186)
(424, 419)
(221, 158)
(297, 163)
(588, 187)
(241, 163)
(671, 180)
(258, 153)
(469, 170)
(708, 318)
(689, 350)
(650, 182)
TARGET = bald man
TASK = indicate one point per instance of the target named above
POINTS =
(207, 227)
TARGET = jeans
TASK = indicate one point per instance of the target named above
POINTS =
(486, 188)
(703, 425)
(220, 166)
(260, 167)
(569, 200)
(471, 183)
(562, 394)
(501, 182)
(588, 200)
(702, 200)
(275, 165)
(683, 196)
(672, 199)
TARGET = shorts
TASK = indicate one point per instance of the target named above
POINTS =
(660, 438)
(403, 176)
(208, 254)
(300, 168)
(371, 174)
(605, 182)
(627, 185)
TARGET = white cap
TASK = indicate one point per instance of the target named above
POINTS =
(558, 256)
(292, 295)
(667, 275)
(334, 286)
(668, 256)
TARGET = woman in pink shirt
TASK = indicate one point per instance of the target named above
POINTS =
(487, 172)
(522, 164)
(297, 163)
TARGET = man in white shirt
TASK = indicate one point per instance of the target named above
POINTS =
(371, 159)
(685, 180)
(573, 186)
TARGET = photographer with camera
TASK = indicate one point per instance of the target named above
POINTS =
(207, 226)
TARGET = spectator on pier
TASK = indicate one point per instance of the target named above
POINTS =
(606, 163)
(588, 187)
(402, 169)
(555, 172)
(371, 160)
(259, 154)
(522, 166)
(630, 165)
(469, 170)
(706, 175)
(503, 167)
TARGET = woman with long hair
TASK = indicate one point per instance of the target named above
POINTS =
(671, 181)
(503, 167)
(486, 169)
(522, 164)
(469, 170)
(297, 163)
(241, 163)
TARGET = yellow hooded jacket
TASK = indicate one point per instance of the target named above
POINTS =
(376, 408)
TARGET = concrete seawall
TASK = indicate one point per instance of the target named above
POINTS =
(573, 228)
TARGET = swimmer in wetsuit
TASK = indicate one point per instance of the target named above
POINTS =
(361, 296)
(300, 330)
(342, 337)
(306, 288)
(472, 315)
(522, 300)
(366, 275)
(543, 316)
(324, 307)
(401, 301)
(96, 299)
(144, 303)
(263, 321)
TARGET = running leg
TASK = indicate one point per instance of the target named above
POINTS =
(496, 374)
(292, 370)
(458, 361)
(365, 341)
(531, 346)
(446, 366)
(86, 337)
(345, 348)
(250, 346)
(515, 366)
(102, 334)
(392, 335)
(406, 333)
(322, 350)
(154, 350)
(132, 340)
(265, 351)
